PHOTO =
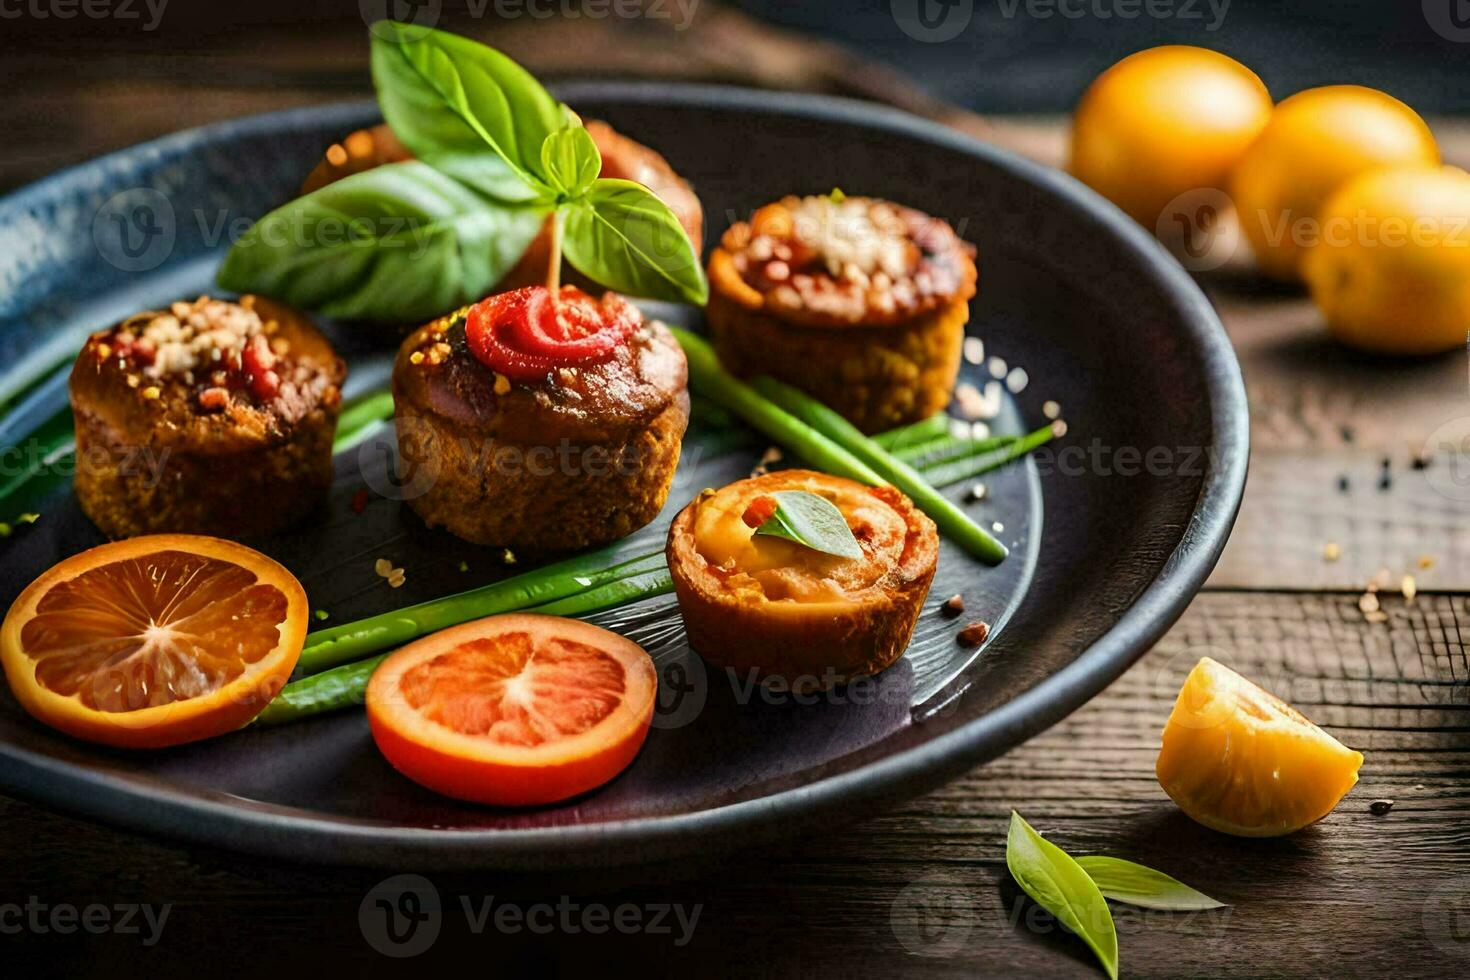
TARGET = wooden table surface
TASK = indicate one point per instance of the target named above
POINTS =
(922, 888)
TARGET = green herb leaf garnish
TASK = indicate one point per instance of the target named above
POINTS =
(623, 236)
(1134, 884)
(495, 155)
(1060, 885)
(812, 520)
(448, 98)
(398, 242)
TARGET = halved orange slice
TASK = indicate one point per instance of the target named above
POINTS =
(1241, 761)
(513, 710)
(155, 640)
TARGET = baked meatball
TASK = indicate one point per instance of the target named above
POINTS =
(859, 302)
(534, 455)
(209, 417)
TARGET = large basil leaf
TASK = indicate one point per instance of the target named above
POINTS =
(622, 236)
(447, 98)
(400, 242)
(1059, 885)
(1135, 884)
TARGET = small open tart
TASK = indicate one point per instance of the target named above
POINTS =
(859, 302)
(788, 611)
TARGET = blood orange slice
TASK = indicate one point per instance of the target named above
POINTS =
(513, 710)
(154, 641)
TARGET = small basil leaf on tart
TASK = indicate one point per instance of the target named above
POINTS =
(397, 242)
(808, 519)
(490, 100)
(621, 235)
(571, 160)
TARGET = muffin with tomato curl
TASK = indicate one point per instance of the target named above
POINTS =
(859, 302)
(541, 422)
(209, 417)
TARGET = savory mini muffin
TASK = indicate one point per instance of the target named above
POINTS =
(621, 158)
(209, 417)
(859, 302)
(758, 600)
(541, 422)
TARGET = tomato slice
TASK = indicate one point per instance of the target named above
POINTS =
(528, 332)
(513, 710)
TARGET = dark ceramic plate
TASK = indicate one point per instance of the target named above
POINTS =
(1111, 534)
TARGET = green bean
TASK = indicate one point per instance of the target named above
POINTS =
(346, 686)
(943, 474)
(912, 435)
(953, 522)
(714, 382)
(352, 641)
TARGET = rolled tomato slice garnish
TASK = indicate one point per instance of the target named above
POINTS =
(526, 333)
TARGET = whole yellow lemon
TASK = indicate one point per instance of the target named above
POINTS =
(1163, 122)
(1392, 270)
(1315, 141)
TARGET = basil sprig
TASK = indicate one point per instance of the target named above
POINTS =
(812, 520)
(1075, 889)
(495, 155)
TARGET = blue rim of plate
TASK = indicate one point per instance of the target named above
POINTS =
(282, 832)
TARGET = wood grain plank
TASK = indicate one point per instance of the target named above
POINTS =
(924, 887)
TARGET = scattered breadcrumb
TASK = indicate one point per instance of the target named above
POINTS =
(1051, 409)
(998, 527)
(383, 566)
(954, 605)
(1332, 552)
(1409, 588)
(1059, 428)
(502, 384)
(396, 579)
(1426, 562)
(978, 492)
(1368, 603)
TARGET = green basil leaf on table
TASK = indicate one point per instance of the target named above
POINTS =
(571, 161)
(1134, 884)
(447, 97)
(812, 520)
(1059, 885)
(398, 242)
(622, 236)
